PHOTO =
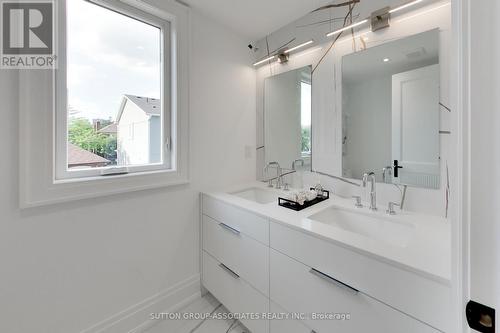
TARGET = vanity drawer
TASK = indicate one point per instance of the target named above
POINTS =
(247, 257)
(298, 288)
(288, 325)
(411, 293)
(235, 293)
(247, 223)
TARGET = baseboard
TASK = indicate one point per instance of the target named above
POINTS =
(136, 318)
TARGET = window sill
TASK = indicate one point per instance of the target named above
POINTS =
(107, 177)
(61, 191)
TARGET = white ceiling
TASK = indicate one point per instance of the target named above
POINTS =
(254, 19)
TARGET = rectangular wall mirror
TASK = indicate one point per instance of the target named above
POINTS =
(390, 112)
(287, 118)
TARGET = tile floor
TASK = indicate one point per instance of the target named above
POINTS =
(207, 304)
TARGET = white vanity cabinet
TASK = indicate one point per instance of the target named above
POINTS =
(302, 289)
(246, 256)
(255, 226)
(235, 260)
(286, 324)
(253, 264)
(237, 295)
(415, 295)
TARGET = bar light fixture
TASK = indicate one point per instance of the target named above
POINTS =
(299, 46)
(282, 55)
(406, 5)
(336, 32)
(260, 62)
(379, 20)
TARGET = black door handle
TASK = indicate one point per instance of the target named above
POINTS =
(480, 317)
(396, 168)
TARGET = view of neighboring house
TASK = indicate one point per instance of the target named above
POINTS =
(138, 131)
(81, 158)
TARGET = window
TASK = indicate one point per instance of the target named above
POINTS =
(61, 107)
(113, 97)
(305, 117)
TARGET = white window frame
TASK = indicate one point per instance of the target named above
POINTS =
(61, 117)
(40, 183)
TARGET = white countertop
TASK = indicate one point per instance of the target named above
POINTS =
(428, 252)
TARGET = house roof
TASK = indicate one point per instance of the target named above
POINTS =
(110, 129)
(150, 106)
(79, 156)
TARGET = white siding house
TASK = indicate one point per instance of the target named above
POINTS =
(139, 131)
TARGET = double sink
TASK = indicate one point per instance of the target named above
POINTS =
(376, 226)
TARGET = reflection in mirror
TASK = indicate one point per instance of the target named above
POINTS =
(287, 118)
(390, 111)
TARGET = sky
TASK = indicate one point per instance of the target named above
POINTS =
(109, 55)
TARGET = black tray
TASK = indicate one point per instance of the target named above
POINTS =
(290, 204)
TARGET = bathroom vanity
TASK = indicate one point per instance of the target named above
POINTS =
(372, 110)
(332, 267)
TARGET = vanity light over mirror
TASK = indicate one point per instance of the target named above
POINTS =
(390, 112)
(287, 119)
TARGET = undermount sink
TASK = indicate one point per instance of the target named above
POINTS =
(256, 194)
(395, 233)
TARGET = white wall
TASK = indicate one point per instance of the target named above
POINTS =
(69, 266)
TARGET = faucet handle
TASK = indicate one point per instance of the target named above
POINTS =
(390, 208)
(358, 203)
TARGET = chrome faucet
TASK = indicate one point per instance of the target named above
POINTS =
(373, 193)
(279, 174)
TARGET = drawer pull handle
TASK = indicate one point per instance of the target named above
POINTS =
(229, 270)
(332, 280)
(233, 230)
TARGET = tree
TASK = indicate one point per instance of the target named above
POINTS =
(110, 148)
(82, 134)
(306, 139)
